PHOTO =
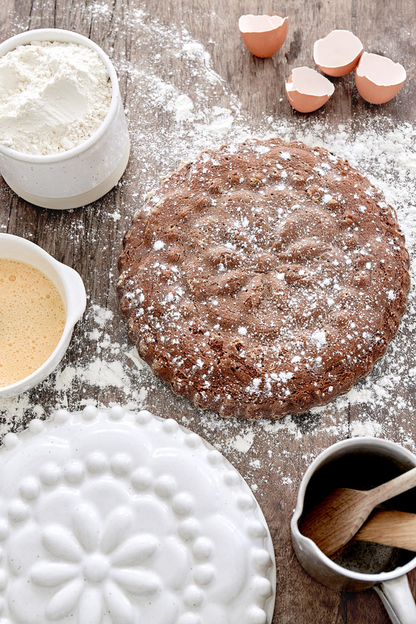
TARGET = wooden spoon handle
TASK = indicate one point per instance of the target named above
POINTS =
(396, 486)
(392, 528)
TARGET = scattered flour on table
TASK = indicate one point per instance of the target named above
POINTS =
(244, 443)
(195, 110)
(369, 428)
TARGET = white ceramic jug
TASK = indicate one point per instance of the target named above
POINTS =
(392, 586)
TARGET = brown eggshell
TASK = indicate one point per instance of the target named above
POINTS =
(378, 79)
(338, 53)
(307, 90)
(263, 34)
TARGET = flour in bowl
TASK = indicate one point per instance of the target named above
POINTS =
(53, 96)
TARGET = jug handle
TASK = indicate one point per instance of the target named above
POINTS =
(398, 600)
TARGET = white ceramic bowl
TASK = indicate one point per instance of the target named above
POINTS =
(84, 173)
(71, 288)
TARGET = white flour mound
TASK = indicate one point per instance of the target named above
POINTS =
(53, 96)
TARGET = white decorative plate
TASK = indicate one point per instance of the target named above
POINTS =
(114, 517)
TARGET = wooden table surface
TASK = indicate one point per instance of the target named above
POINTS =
(146, 40)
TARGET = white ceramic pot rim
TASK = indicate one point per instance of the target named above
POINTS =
(320, 459)
(73, 312)
(58, 34)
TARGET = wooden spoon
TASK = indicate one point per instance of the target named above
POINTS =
(391, 528)
(338, 517)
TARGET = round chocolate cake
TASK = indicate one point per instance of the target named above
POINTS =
(263, 279)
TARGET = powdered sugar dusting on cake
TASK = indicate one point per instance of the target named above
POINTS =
(332, 311)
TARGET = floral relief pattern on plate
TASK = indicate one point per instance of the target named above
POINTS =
(114, 517)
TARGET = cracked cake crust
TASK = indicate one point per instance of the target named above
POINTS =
(263, 278)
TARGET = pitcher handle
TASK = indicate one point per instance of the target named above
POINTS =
(398, 600)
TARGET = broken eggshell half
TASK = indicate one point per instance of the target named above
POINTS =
(307, 90)
(263, 35)
(338, 53)
(378, 79)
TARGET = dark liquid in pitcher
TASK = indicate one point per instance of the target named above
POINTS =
(364, 471)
